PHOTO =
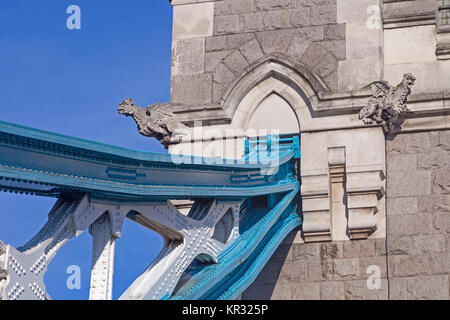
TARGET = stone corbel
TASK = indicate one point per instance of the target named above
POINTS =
(364, 190)
(316, 207)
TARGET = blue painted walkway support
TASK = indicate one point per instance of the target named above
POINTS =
(242, 211)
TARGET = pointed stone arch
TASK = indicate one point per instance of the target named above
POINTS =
(302, 89)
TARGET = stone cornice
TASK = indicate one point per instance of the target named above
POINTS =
(407, 13)
(333, 104)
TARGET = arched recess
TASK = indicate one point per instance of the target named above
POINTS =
(274, 89)
(274, 113)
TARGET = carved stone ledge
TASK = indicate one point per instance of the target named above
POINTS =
(401, 13)
(316, 208)
(443, 51)
(364, 190)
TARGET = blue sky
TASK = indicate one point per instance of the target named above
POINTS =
(71, 82)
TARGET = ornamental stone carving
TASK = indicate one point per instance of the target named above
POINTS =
(387, 102)
(155, 121)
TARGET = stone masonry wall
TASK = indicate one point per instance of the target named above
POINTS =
(414, 260)
(326, 271)
(418, 208)
(246, 30)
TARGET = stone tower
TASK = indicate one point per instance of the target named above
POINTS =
(375, 204)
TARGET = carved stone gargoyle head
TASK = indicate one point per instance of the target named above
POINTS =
(127, 107)
(409, 80)
(387, 105)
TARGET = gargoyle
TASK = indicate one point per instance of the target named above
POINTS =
(387, 102)
(155, 121)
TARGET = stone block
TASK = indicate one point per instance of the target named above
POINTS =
(409, 183)
(298, 47)
(336, 47)
(320, 270)
(300, 17)
(229, 7)
(351, 77)
(441, 222)
(314, 55)
(400, 245)
(441, 181)
(332, 290)
(275, 41)
(312, 3)
(398, 289)
(235, 41)
(193, 20)
(380, 247)
(188, 56)
(326, 66)
(218, 90)
(428, 288)
(409, 265)
(226, 24)
(367, 263)
(322, 15)
(440, 263)
(434, 160)
(410, 225)
(333, 250)
(362, 42)
(192, 89)
(218, 43)
(236, 62)
(404, 205)
(213, 59)
(359, 248)
(346, 269)
(401, 162)
(358, 290)
(334, 32)
(431, 77)
(434, 203)
(331, 81)
(223, 75)
(409, 143)
(268, 5)
(276, 20)
(306, 251)
(444, 140)
(306, 291)
(350, 11)
(367, 248)
(315, 33)
(251, 22)
(294, 271)
(410, 45)
(252, 51)
(429, 243)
